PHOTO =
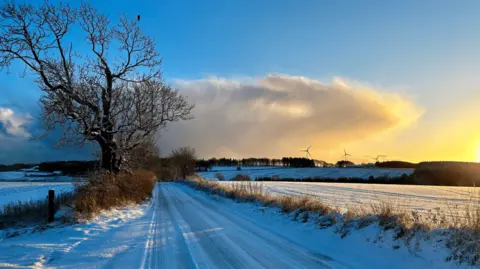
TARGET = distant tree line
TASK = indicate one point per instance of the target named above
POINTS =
(242, 162)
(297, 162)
(66, 167)
(15, 167)
(70, 167)
(343, 163)
(448, 173)
(203, 164)
(395, 164)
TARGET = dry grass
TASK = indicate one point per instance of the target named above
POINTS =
(302, 204)
(104, 190)
(465, 239)
(462, 228)
(253, 192)
(101, 191)
(14, 214)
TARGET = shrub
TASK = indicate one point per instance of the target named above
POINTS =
(242, 177)
(183, 162)
(146, 156)
(105, 190)
(220, 176)
(164, 170)
(290, 204)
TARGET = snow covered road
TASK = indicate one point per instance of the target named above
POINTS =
(182, 228)
(186, 228)
(191, 231)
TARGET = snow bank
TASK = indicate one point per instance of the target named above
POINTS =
(91, 243)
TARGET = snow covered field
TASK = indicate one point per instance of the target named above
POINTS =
(26, 191)
(234, 168)
(322, 172)
(20, 176)
(185, 228)
(423, 199)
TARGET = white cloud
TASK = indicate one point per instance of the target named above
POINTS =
(13, 123)
(276, 115)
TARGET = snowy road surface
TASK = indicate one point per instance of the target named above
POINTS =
(185, 228)
(192, 232)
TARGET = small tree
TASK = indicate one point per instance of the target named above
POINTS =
(145, 156)
(184, 161)
(113, 94)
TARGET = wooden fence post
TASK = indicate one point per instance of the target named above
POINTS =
(51, 205)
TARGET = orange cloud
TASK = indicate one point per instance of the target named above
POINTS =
(276, 115)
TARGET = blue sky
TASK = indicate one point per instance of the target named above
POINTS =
(426, 50)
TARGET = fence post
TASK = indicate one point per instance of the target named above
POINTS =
(51, 205)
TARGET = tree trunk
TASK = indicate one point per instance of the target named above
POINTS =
(110, 158)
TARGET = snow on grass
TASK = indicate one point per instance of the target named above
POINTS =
(12, 192)
(322, 172)
(36, 176)
(426, 200)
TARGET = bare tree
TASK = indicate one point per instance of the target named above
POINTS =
(183, 160)
(112, 93)
(145, 156)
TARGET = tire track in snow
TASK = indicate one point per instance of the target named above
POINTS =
(150, 240)
(217, 238)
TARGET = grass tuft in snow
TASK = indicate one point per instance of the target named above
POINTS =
(27, 212)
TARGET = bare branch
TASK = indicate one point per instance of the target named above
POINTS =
(90, 96)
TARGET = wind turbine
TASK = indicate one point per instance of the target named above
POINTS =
(307, 151)
(345, 155)
(378, 157)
